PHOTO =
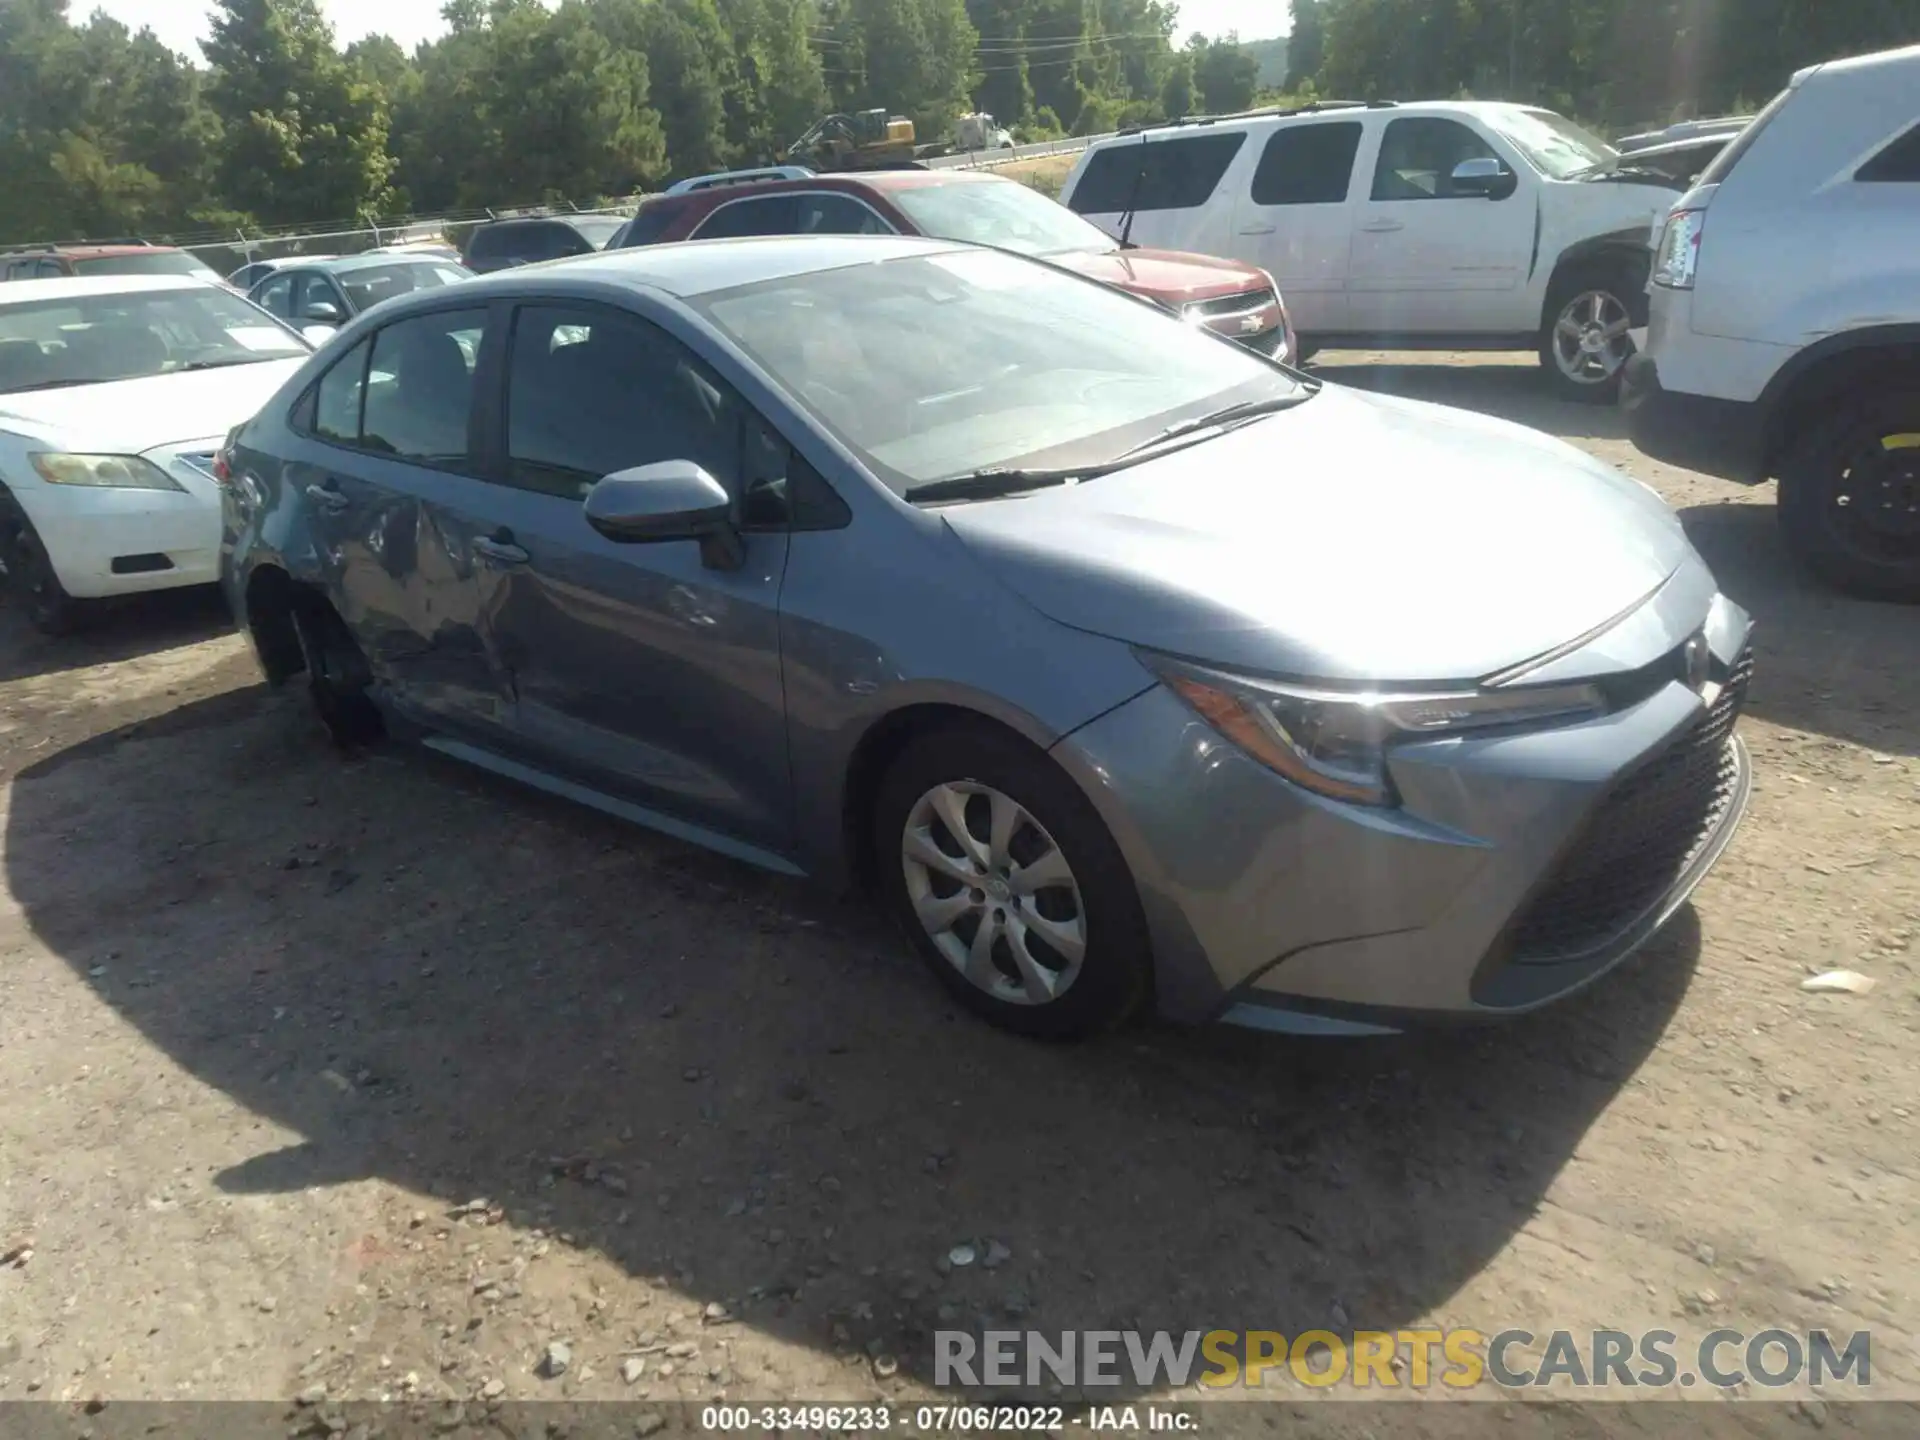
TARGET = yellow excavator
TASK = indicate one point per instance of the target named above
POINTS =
(865, 140)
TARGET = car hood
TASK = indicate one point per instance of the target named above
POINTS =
(127, 417)
(1355, 538)
(1172, 276)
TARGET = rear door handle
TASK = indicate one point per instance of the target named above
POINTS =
(501, 549)
(1256, 229)
(1382, 227)
(327, 497)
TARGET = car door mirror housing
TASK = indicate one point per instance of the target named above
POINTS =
(1485, 177)
(322, 312)
(671, 500)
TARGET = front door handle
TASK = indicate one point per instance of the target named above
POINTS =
(500, 548)
(1256, 229)
(1382, 227)
(327, 497)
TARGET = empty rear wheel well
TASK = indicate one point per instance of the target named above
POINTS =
(273, 596)
(1810, 396)
(876, 751)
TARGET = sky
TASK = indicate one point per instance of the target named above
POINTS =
(183, 23)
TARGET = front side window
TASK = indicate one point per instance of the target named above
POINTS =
(1148, 174)
(419, 396)
(1418, 157)
(1031, 367)
(1001, 213)
(591, 392)
(1307, 164)
(92, 339)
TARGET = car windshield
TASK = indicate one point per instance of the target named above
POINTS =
(368, 285)
(1556, 146)
(937, 366)
(156, 262)
(90, 339)
(1002, 213)
(598, 229)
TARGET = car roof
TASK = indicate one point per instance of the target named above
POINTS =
(81, 286)
(698, 267)
(506, 221)
(1307, 115)
(340, 264)
(95, 252)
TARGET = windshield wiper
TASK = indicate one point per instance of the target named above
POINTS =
(223, 364)
(996, 480)
(1230, 415)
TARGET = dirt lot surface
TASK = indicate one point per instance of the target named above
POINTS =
(383, 1076)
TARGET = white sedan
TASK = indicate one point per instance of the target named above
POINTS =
(115, 394)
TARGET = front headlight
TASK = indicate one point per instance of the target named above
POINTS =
(107, 472)
(1335, 742)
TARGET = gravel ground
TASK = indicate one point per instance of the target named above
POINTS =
(383, 1077)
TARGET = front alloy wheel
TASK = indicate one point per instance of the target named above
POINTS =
(1589, 345)
(1009, 886)
(994, 893)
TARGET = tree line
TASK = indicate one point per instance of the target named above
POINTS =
(1613, 63)
(104, 131)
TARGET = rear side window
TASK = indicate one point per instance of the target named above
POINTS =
(769, 215)
(1307, 164)
(336, 411)
(1898, 164)
(648, 226)
(1178, 174)
(420, 387)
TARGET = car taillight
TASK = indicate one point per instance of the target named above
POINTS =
(1679, 254)
(223, 459)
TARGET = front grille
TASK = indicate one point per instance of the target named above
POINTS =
(1245, 303)
(1640, 840)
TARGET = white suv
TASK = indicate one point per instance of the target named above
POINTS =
(1448, 225)
(1785, 330)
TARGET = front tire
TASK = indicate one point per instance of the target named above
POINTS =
(1849, 500)
(1584, 345)
(1006, 881)
(32, 581)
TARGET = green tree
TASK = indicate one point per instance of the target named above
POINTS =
(1225, 76)
(305, 135)
(1306, 46)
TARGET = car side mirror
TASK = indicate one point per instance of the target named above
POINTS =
(1485, 177)
(322, 312)
(671, 500)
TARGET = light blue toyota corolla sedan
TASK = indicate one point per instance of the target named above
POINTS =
(1125, 665)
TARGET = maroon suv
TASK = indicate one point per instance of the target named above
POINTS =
(1229, 298)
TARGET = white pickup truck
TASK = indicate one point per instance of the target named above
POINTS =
(1443, 225)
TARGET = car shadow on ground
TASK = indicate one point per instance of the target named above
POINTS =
(111, 632)
(448, 983)
(1509, 390)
